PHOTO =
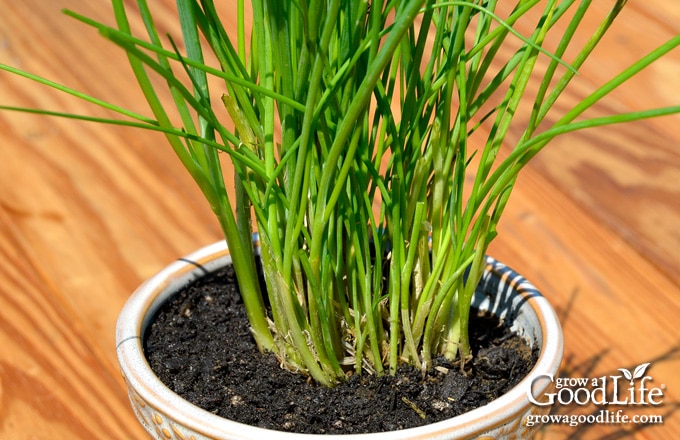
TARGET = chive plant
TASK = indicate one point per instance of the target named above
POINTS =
(364, 138)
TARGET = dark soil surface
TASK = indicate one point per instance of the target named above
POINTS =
(200, 346)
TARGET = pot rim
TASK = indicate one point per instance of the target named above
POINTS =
(144, 302)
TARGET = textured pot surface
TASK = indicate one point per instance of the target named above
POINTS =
(165, 415)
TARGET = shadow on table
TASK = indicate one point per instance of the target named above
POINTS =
(571, 368)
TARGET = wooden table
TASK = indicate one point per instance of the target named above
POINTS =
(87, 212)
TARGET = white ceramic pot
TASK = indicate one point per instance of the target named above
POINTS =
(165, 415)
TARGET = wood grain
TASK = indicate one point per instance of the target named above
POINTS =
(87, 212)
